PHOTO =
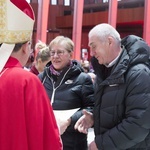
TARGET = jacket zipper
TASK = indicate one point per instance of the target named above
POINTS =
(52, 98)
(54, 89)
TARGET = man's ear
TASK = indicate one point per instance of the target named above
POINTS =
(24, 48)
(110, 40)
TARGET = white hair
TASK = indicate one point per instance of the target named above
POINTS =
(104, 30)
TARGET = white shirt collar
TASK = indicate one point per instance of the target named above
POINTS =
(114, 61)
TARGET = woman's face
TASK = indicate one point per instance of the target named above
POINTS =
(60, 57)
(41, 64)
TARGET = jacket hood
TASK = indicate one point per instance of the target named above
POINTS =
(75, 69)
(137, 49)
(77, 65)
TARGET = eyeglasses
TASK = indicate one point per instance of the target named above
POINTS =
(59, 53)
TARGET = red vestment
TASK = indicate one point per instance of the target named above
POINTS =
(26, 117)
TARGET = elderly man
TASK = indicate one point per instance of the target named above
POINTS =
(122, 91)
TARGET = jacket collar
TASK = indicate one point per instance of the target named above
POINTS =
(135, 51)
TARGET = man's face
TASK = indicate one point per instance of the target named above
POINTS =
(99, 49)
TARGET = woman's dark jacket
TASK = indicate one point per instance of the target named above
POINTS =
(73, 89)
(122, 99)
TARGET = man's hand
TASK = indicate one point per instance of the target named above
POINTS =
(84, 122)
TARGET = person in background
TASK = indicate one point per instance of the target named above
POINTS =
(68, 87)
(42, 58)
(122, 91)
(27, 121)
(30, 60)
(92, 75)
(86, 66)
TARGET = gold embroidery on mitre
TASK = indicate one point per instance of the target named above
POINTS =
(2, 14)
(2, 20)
(16, 36)
(2, 36)
(2, 2)
(2, 24)
(9, 36)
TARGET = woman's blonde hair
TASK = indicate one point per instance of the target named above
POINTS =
(62, 40)
(39, 45)
(43, 51)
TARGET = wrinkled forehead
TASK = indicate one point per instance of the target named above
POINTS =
(93, 40)
(57, 46)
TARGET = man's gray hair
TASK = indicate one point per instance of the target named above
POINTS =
(104, 30)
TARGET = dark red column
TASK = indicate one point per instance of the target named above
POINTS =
(146, 27)
(42, 20)
(112, 14)
(77, 27)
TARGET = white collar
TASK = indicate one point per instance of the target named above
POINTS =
(114, 61)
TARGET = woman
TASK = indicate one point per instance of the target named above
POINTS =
(42, 58)
(68, 87)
